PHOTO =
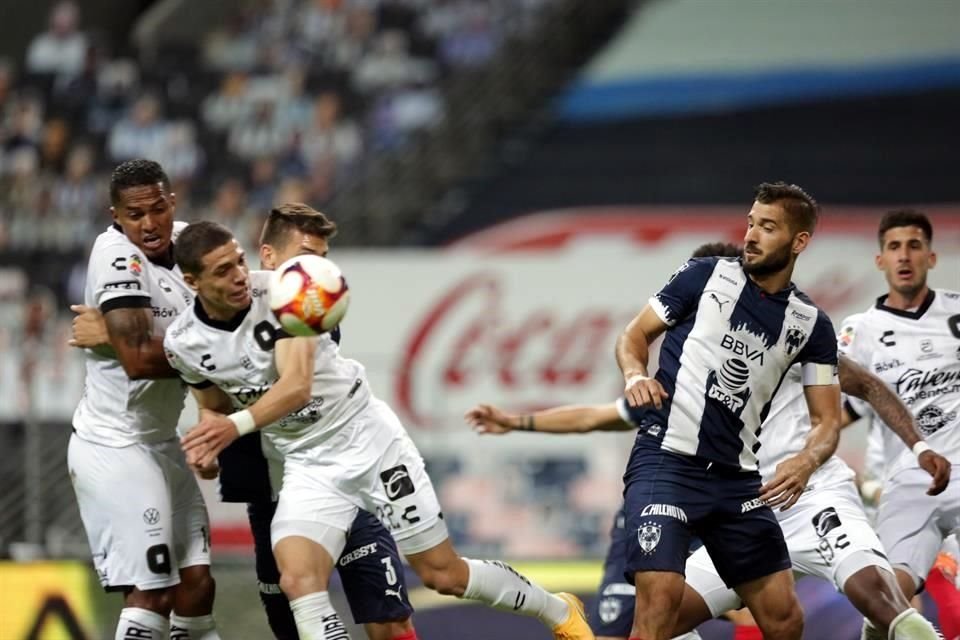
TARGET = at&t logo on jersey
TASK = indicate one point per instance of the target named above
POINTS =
(728, 385)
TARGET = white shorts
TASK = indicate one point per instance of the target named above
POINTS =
(369, 464)
(913, 525)
(823, 530)
(142, 510)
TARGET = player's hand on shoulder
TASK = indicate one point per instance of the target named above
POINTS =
(211, 435)
(644, 391)
(789, 482)
(939, 469)
(485, 418)
(89, 329)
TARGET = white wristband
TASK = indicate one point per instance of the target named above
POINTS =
(634, 378)
(920, 447)
(244, 421)
(868, 490)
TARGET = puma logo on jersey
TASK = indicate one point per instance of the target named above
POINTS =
(719, 302)
(397, 482)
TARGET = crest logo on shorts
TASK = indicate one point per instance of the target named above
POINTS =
(649, 536)
(826, 521)
(610, 609)
(151, 516)
(396, 482)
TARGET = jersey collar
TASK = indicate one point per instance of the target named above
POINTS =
(224, 325)
(167, 261)
(913, 315)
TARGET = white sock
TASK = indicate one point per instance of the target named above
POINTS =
(141, 624)
(193, 627)
(910, 625)
(497, 584)
(316, 618)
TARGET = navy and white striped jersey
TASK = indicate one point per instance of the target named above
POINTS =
(727, 349)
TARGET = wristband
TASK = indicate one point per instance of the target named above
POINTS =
(920, 447)
(634, 378)
(526, 423)
(869, 489)
(243, 421)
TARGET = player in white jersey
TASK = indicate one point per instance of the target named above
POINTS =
(343, 449)
(141, 507)
(827, 532)
(911, 339)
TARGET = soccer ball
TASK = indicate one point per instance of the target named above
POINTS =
(308, 295)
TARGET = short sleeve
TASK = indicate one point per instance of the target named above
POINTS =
(188, 375)
(116, 277)
(847, 341)
(681, 295)
(818, 357)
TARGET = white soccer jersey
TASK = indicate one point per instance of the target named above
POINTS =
(784, 434)
(115, 410)
(237, 357)
(917, 353)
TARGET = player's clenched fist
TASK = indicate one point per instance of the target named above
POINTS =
(644, 391)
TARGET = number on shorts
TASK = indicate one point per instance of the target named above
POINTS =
(388, 571)
(265, 335)
(158, 558)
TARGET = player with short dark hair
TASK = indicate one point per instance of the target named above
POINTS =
(342, 450)
(733, 328)
(140, 504)
(911, 339)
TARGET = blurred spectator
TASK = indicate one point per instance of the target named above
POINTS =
(329, 136)
(117, 81)
(472, 44)
(24, 124)
(233, 47)
(389, 64)
(229, 105)
(75, 90)
(53, 145)
(229, 204)
(263, 183)
(347, 51)
(398, 114)
(179, 153)
(321, 23)
(61, 48)
(78, 191)
(141, 134)
(260, 134)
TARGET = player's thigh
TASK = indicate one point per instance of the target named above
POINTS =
(372, 573)
(705, 581)
(311, 506)
(611, 614)
(742, 534)
(771, 598)
(398, 491)
(126, 508)
(907, 524)
(191, 523)
(829, 536)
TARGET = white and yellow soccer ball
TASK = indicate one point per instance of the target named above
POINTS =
(308, 295)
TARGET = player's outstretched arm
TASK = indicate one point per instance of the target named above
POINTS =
(792, 475)
(140, 352)
(633, 354)
(215, 431)
(487, 418)
(856, 381)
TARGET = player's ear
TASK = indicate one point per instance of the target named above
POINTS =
(268, 257)
(173, 200)
(800, 242)
(113, 213)
(932, 260)
(191, 280)
(878, 260)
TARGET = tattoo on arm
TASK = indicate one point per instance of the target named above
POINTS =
(132, 327)
(855, 380)
(139, 351)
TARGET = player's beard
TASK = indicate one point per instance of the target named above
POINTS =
(773, 262)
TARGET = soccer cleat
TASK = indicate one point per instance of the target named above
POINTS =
(575, 627)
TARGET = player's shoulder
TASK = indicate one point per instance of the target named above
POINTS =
(948, 298)
(260, 281)
(178, 226)
(176, 335)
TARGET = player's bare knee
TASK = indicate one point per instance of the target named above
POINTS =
(156, 600)
(784, 623)
(196, 591)
(296, 583)
(442, 580)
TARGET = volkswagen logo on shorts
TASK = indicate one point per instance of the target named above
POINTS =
(396, 482)
(733, 374)
(151, 516)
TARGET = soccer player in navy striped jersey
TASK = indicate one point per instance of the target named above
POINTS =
(733, 327)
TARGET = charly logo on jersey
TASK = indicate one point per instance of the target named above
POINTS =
(397, 482)
(826, 521)
(648, 535)
(610, 609)
(887, 339)
(931, 419)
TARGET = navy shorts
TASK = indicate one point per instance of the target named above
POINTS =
(612, 612)
(669, 498)
(244, 475)
(372, 573)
